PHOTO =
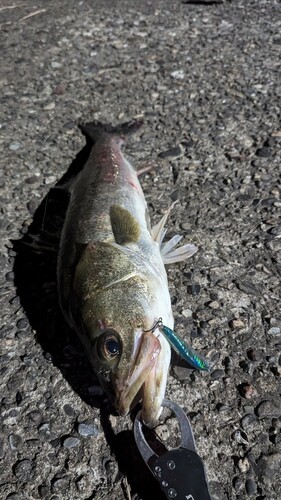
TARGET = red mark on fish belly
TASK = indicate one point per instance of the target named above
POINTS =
(134, 185)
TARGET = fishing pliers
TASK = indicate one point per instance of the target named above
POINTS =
(180, 471)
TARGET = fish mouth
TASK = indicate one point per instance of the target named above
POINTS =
(146, 379)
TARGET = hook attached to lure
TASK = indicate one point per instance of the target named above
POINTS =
(184, 350)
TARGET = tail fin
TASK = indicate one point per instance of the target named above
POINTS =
(94, 130)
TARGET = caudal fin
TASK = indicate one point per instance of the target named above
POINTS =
(94, 130)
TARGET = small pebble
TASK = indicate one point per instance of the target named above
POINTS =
(43, 491)
(45, 430)
(254, 355)
(22, 323)
(56, 64)
(176, 195)
(263, 152)
(24, 470)
(181, 372)
(269, 466)
(187, 313)
(178, 74)
(275, 231)
(172, 153)
(15, 441)
(193, 289)
(274, 245)
(214, 304)
(62, 483)
(244, 465)
(87, 430)
(248, 391)
(14, 146)
(275, 330)
(49, 106)
(82, 483)
(216, 491)
(55, 443)
(51, 179)
(10, 276)
(222, 407)
(248, 287)
(268, 202)
(248, 422)
(35, 417)
(251, 486)
(31, 180)
(240, 437)
(267, 409)
(236, 324)
(71, 442)
(69, 411)
(32, 206)
(238, 483)
(217, 374)
(60, 89)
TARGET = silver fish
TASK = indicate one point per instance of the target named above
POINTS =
(111, 274)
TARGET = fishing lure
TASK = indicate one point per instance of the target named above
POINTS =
(184, 350)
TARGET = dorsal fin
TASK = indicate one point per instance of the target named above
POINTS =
(125, 227)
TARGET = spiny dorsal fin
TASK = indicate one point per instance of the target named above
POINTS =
(125, 227)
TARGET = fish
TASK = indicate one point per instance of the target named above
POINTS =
(112, 281)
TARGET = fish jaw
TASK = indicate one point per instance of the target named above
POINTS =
(147, 378)
(128, 385)
(155, 384)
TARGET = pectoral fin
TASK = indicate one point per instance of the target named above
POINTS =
(125, 227)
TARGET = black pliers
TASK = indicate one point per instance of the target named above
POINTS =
(180, 472)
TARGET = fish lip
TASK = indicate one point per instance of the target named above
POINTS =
(129, 387)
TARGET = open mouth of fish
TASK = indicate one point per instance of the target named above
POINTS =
(145, 381)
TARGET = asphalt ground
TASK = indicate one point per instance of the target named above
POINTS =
(205, 78)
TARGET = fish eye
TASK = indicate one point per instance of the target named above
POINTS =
(109, 346)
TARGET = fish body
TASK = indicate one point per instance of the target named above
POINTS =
(111, 275)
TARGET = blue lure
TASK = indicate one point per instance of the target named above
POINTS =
(183, 349)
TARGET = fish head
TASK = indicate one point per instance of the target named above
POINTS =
(130, 359)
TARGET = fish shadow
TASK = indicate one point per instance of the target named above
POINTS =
(35, 279)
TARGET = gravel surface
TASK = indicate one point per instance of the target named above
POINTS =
(205, 77)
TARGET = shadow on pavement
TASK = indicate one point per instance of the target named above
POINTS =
(35, 279)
